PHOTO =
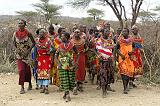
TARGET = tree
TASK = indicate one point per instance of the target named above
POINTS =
(29, 15)
(135, 4)
(95, 13)
(146, 15)
(48, 10)
(117, 7)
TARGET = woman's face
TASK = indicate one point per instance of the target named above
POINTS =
(106, 34)
(77, 34)
(135, 31)
(125, 33)
(21, 24)
(51, 30)
(42, 33)
(64, 39)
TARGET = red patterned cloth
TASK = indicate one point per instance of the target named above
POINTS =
(44, 59)
(137, 61)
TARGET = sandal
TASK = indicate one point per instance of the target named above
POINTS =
(22, 91)
(46, 91)
(68, 98)
(42, 91)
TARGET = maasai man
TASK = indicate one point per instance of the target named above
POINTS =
(106, 73)
(126, 66)
(79, 43)
(137, 60)
(64, 55)
(24, 42)
(44, 48)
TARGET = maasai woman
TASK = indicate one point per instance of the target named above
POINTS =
(126, 66)
(137, 60)
(106, 73)
(79, 43)
(34, 61)
(57, 41)
(44, 49)
(92, 62)
(23, 42)
(53, 71)
(118, 33)
(64, 55)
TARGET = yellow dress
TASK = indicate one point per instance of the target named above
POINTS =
(54, 70)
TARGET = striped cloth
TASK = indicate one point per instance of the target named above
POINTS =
(67, 79)
(104, 51)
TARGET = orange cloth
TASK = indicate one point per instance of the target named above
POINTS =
(126, 66)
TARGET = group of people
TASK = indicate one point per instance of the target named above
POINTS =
(64, 59)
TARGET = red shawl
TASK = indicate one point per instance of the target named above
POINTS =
(67, 47)
(21, 34)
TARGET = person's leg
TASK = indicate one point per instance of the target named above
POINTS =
(46, 89)
(28, 76)
(22, 91)
(75, 90)
(21, 72)
(124, 79)
(80, 87)
(30, 86)
(43, 89)
(37, 86)
(131, 83)
(104, 90)
(67, 96)
(40, 83)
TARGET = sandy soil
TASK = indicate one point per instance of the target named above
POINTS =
(141, 96)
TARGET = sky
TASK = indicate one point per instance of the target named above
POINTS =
(8, 7)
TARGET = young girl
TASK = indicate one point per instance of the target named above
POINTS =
(64, 56)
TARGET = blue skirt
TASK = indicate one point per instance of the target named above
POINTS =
(43, 82)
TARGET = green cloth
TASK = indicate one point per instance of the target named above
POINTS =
(66, 60)
(67, 79)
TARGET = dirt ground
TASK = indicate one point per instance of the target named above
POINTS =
(141, 96)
